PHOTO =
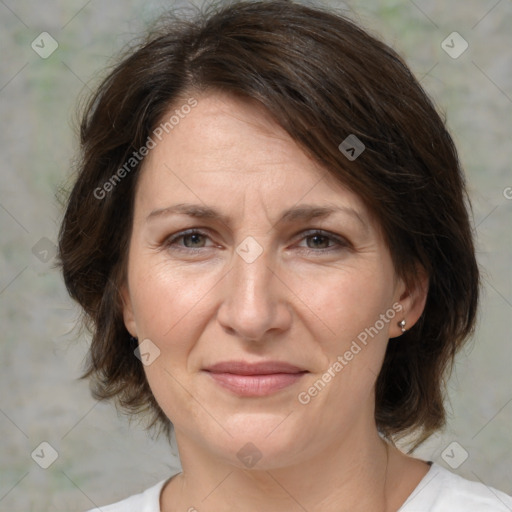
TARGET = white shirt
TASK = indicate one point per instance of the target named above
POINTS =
(439, 490)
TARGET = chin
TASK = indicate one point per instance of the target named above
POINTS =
(261, 441)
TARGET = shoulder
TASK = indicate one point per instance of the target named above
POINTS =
(443, 491)
(147, 501)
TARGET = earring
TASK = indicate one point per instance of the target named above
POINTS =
(134, 340)
(401, 324)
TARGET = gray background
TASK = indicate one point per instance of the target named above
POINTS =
(101, 458)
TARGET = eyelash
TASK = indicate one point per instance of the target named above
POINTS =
(340, 242)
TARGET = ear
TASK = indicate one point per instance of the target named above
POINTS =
(412, 298)
(128, 315)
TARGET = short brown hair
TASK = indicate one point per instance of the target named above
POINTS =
(322, 78)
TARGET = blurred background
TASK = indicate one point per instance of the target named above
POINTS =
(54, 51)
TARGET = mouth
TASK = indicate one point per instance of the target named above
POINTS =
(254, 379)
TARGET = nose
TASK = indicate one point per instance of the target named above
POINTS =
(256, 300)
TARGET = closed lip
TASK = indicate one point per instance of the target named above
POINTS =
(260, 368)
(254, 379)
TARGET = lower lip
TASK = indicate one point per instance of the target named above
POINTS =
(255, 385)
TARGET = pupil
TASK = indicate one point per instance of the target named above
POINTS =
(195, 238)
(319, 238)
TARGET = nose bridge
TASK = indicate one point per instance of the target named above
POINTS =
(253, 303)
(252, 278)
(251, 271)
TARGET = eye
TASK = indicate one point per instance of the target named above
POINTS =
(317, 241)
(187, 240)
(323, 241)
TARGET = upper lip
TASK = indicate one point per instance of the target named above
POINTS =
(261, 368)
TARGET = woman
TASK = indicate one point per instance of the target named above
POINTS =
(270, 241)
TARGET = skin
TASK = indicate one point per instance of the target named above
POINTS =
(303, 300)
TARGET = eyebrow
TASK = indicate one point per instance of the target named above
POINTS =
(298, 213)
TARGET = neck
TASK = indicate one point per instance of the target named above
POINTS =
(352, 476)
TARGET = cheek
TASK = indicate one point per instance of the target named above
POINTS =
(168, 299)
(345, 301)
(170, 310)
(348, 330)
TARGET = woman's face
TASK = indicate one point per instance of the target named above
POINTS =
(261, 291)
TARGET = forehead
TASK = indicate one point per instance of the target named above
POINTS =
(228, 147)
